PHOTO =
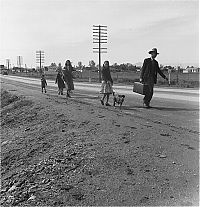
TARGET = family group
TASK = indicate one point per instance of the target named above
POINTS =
(148, 76)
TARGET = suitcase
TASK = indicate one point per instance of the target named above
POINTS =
(140, 88)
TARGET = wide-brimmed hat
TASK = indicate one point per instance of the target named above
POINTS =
(153, 50)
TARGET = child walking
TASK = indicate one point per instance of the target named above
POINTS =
(43, 83)
(60, 80)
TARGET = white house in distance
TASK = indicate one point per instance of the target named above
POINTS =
(191, 70)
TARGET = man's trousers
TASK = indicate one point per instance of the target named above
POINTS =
(148, 96)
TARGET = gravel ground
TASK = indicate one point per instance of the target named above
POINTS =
(59, 152)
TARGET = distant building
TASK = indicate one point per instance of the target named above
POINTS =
(191, 70)
(52, 67)
(16, 69)
(2, 67)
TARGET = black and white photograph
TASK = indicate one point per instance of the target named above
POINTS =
(99, 102)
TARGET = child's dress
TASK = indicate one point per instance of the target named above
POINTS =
(60, 82)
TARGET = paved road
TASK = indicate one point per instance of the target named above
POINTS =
(178, 108)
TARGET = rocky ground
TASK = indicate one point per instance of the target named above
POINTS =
(58, 152)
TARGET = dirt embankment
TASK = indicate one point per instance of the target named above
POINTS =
(60, 153)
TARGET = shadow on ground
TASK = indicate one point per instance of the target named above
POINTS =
(160, 108)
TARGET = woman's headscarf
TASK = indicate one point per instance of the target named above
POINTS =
(105, 63)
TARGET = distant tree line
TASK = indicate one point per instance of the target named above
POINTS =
(92, 66)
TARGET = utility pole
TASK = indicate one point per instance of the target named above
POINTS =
(40, 59)
(26, 68)
(8, 64)
(177, 80)
(19, 62)
(169, 76)
(99, 37)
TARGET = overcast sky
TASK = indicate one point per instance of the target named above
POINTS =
(63, 29)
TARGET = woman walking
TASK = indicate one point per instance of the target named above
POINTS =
(60, 80)
(68, 78)
(107, 82)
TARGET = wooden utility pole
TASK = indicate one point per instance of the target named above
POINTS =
(99, 37)
(177, 80)
(40, 59)
(19, 62)
(8, 64)
(169, 76)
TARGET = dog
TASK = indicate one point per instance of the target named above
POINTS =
(119, 99)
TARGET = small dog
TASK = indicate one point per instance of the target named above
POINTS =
(119, 99)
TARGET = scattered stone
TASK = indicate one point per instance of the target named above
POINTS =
(45, 181)
(73, 154)
(172, 197)
(66, 187)
(63, 130)
(3, 190)
(78, 196)
(32, 198)
(20, 183)
(101, 116)
(192, 148)
(144, 199)
(24, 196)
(5, 142)
(33, 189)
(162, 156)
(173, 162)
(12, 188)
(130, 171)
(10, 198)
(27, 129)
(165, 134)
(59, 115)
(2, 201)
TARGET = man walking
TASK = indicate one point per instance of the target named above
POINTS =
(148, 75)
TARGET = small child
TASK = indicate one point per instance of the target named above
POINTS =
(60, 80)
(43, 83)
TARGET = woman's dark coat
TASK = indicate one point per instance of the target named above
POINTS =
(106, 75)
(68, 78)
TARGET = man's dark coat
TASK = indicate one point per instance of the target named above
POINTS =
(147, 68)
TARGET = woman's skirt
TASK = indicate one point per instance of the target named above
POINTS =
(69, 84)
(106, 87)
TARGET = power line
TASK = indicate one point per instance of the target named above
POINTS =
(99, 37)
(40, 58)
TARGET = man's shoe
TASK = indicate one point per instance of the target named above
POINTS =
(102, 103)
(146, 105)
(107, 104)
